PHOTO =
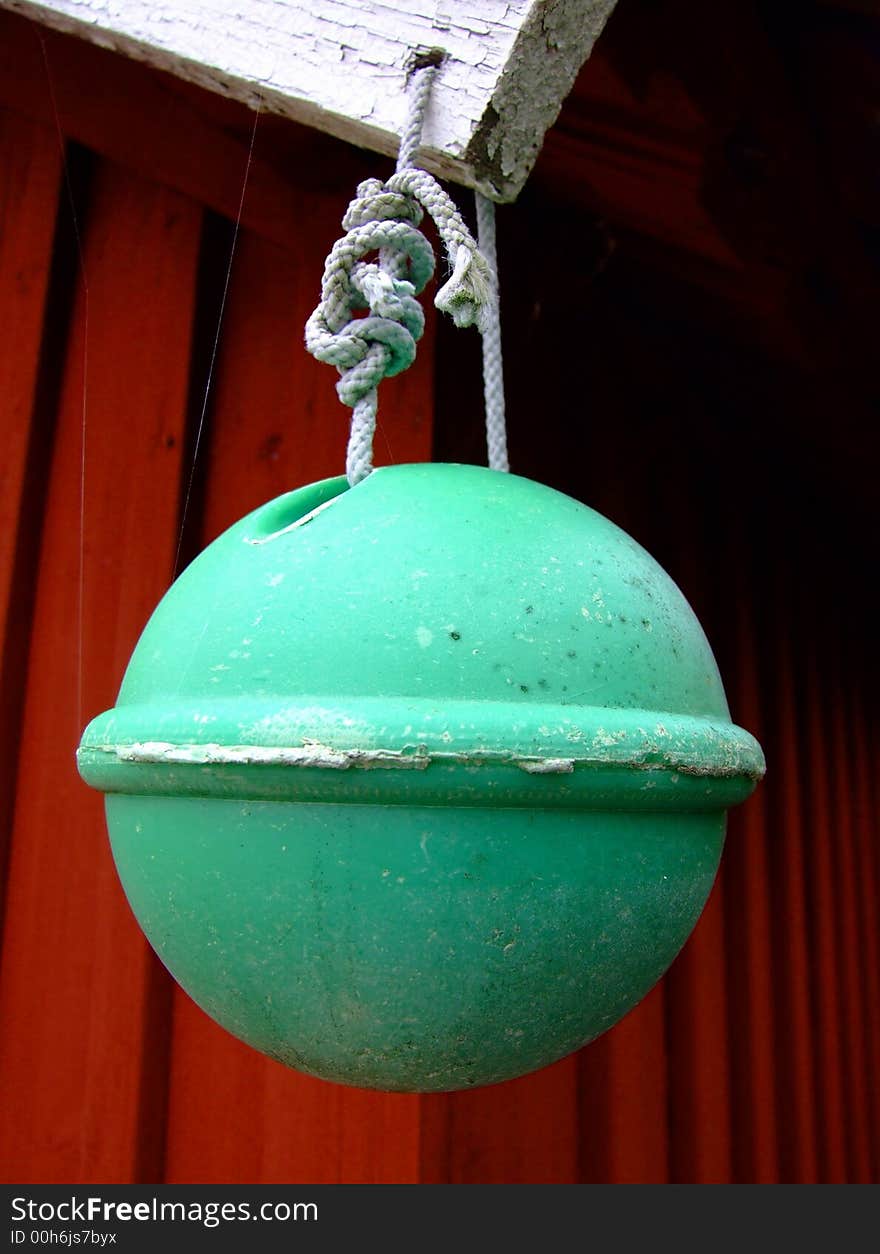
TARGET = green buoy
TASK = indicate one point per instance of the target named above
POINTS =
(421, 784)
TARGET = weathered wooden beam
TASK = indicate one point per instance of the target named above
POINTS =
(341, 65)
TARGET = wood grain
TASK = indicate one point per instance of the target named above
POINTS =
(75, 968)
(30, 167)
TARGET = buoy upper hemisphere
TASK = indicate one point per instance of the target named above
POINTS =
(434, 617)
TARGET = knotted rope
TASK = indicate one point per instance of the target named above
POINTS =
(383, 219)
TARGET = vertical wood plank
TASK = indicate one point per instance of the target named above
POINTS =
(799, 1162)
(825, 957)
(275, 423)
(76, 971)
(30, 167)
(697, 1020)
(749, 937)
(624, 1100)
(868, 847)
(853, 958)
(520, 1132)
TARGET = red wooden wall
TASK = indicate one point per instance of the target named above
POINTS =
(758, 1057)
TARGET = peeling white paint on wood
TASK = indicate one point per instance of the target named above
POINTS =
(340, 65)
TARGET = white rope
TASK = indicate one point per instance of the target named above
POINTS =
(383, 218)
(421, 82)
(493, 370)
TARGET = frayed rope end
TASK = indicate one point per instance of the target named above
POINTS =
(469, 294)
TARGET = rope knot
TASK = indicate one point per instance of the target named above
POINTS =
(375, 202)
(366, 350)
(382, 222)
